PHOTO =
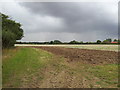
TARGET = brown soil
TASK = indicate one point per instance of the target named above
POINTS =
(84, 55)
(71, 72)
(61, 75)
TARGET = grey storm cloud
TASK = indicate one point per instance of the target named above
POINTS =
(77, 17)
(66, 21)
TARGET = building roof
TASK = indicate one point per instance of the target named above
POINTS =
(114, 42)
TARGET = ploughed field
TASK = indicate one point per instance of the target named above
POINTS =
(59, 67)
(84, 55)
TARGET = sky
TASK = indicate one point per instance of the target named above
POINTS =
(64, 21)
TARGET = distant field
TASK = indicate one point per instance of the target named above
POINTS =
(95, 47)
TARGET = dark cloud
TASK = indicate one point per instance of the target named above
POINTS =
(45, 21)
(77, 17)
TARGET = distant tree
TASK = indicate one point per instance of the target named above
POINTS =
(51, 42)
(57, 42)
(86, 42)
(98, 41)
(81, 42)
(46, 42)
(118, 40)
(115, 40)
(106, 41)
(109, 40)
(90, 42)
(73, 42)
(11, 31)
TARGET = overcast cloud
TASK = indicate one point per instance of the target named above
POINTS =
(65, 21)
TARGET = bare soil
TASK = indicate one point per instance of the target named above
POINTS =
(94, 57)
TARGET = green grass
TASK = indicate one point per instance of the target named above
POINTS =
(21, 62)
(106, 73)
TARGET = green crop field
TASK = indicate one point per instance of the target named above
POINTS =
(33, 67)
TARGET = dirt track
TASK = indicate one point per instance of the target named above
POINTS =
(84, 55)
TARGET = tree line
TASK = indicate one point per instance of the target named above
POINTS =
(11, 31)
(106, 41)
